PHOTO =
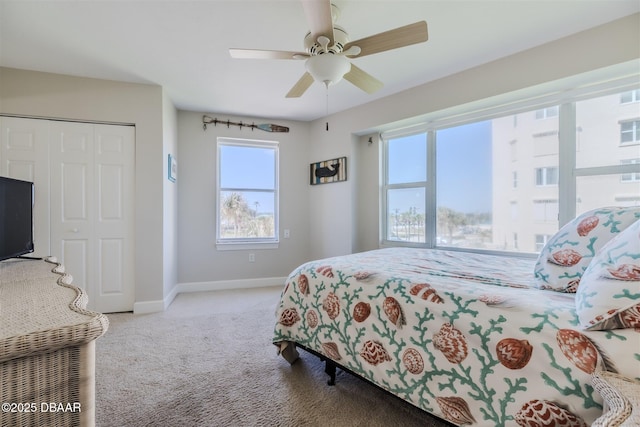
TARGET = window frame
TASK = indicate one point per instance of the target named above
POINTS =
(634, 96)
(631, 177)
(247, 242)
(546, 173)
(547, 112)
(634, 132)
(568, 172)
(425, 185)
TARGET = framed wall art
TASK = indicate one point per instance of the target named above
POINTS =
(334, 170)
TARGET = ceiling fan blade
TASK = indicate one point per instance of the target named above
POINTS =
(301, 86)
(392, 39)
(266, 54)
(363, 80)
(318, 13)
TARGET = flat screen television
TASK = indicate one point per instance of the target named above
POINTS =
(16, 217)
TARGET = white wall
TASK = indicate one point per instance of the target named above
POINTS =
(29, 93)
(200, 265)
(340, 226)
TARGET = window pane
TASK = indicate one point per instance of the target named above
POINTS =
(629, 132)
(247, 193)
(407, 159)
(497, 183)
(541, 240)
(537, 165)
(545, 210)
(405, 214)
(605, 135)
(630, 96)
(247, 167)
(633, 176)
(464, 185)
(247, 214)
(605, 190)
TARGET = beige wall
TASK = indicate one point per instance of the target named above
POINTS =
(35, 94)
(169, 201)
(200, 263)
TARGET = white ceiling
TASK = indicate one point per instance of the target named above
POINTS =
(183, 45)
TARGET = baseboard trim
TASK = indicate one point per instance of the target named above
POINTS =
(146, 307)
(222, 285)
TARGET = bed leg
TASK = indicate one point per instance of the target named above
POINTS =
(288, 351)
(330, 369)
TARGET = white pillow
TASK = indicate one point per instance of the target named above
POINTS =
(609, 293)
(566, 256)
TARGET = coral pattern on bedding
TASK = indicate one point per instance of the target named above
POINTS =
(566, 256)
(466, 337)
(609, 293)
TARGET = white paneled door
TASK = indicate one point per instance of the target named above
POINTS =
(92, 216)
(90, 193)
(24, 154)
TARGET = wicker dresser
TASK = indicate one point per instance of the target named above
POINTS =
(47, 346)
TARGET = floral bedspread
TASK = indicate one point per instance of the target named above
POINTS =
(466, 337)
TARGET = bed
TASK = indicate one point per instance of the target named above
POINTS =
(476, 339)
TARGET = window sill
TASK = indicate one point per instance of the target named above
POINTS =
(240, 246)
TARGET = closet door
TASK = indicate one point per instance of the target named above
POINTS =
(114, 163)
(92, 209)
(24, 154)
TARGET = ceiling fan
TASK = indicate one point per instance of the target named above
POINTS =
(328, 49)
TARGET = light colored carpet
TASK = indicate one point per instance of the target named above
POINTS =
(208, 361)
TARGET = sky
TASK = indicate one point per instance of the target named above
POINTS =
(463, 165)
(247, 167)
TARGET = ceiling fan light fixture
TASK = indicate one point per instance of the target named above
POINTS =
(328, 68)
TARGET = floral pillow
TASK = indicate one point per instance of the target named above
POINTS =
(609, 293)
(568, 253)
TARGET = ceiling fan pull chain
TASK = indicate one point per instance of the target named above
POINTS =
(327, 113)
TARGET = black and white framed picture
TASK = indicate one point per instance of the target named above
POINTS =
(334, 170)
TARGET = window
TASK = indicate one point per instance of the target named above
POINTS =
(471, 192)
(464, 191)
(633, 176)
(545, 113)
(607, 171)
(405, 188)
(247, 194)
(545, 210)
(629, 131)
(630, 96)
(541, 240)
(547, 176)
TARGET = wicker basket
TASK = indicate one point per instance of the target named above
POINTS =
(621, 396)
(47, 347)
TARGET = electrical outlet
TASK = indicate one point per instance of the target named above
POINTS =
(252, 257)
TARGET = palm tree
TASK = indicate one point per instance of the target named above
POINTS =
(234, 207)
(451, 220)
